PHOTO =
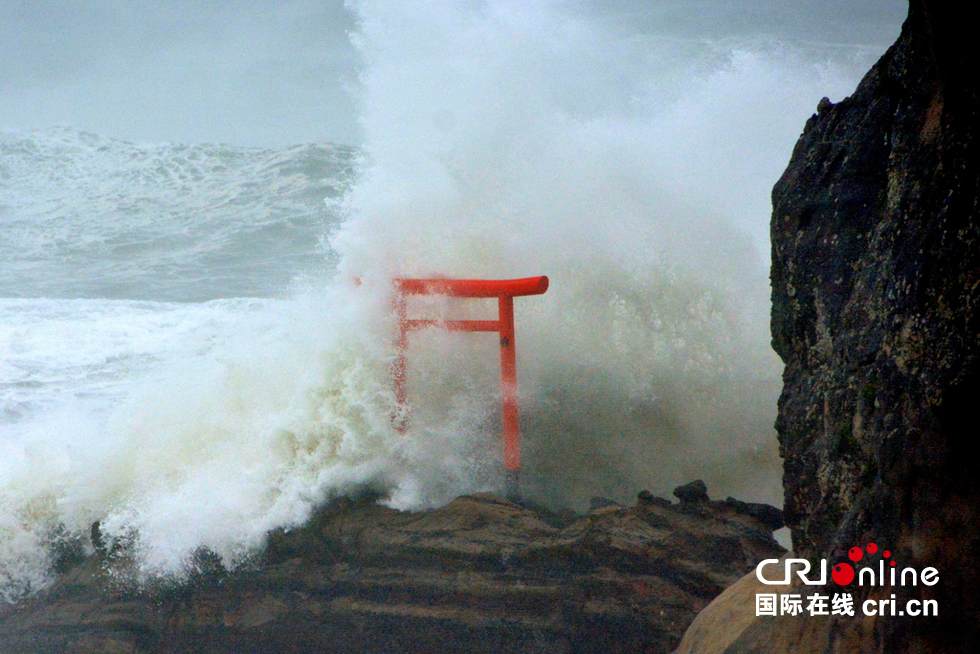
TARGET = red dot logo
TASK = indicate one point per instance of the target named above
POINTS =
(872, 548)
(843, 574)
(855, 554)
(886, 554)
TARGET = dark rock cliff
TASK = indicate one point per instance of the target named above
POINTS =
(876, 313)
(478, 575)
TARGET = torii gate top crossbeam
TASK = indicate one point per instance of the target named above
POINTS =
(473, 287)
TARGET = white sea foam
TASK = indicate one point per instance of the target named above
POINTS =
(502, 140)
(510, 139)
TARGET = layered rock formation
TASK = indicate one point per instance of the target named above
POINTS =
(876, 294)
(479, 575)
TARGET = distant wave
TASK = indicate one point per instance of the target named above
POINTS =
(89, 216)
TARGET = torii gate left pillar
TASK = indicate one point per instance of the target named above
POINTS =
(505, 290)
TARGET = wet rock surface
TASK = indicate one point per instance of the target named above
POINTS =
(876, 313)
(479, 575)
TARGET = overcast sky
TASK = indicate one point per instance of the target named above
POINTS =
(281, 72)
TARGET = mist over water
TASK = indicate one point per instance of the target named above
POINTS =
(185, 357)
(509, 140)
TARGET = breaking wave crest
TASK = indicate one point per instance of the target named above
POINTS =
(186, 358)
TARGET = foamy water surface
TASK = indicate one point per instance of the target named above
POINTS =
(184, 355)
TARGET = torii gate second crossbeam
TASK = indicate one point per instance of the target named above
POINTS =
(505, 290)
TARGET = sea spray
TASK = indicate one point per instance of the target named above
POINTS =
(511, 139)
(502, 140)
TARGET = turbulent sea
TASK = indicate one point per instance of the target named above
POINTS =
(186, 357)
(126, 269)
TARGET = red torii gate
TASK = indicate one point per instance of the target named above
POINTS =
(505, 290)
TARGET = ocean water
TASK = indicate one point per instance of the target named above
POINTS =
(186, 357)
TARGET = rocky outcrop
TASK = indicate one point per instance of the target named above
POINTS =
(876, 314)
(478, 575)
(725, 620)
